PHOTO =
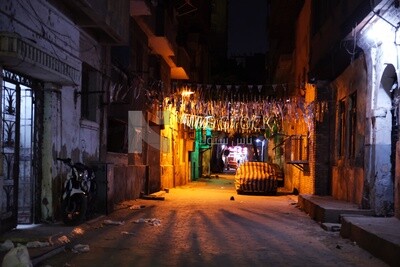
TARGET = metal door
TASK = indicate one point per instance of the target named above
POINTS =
(16, 157)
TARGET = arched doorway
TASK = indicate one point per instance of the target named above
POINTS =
(389, 83)
(389, 96)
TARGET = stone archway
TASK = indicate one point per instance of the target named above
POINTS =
(386, 133)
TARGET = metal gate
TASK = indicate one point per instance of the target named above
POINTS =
(16, 164)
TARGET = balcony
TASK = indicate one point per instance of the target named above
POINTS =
(106, 20)
(19, 54)
(160, 31)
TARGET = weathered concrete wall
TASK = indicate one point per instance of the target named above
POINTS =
(348, 170)
(42, 24)
(181, 175)
(65, 134)
(348, 183)
(128, 182)
(379, 181)
(397, 183)
(167, 176)
(206, 163)
(174, 153)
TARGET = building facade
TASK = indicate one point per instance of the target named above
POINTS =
(87, 81)
(357, 68)
(343, 63)
(55, 71)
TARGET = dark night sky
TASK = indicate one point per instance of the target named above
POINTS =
(247, 27)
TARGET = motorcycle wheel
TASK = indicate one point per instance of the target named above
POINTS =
(74, 209)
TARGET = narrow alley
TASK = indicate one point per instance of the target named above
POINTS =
(200, 224)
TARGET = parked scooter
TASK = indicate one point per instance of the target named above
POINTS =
(79, 193)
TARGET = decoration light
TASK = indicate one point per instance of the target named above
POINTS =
(187, 93)
(234, 111)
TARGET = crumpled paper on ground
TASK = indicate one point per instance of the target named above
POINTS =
(37, 244)
(150, 221)
(18, 256)
(7, 245)
(110, 222)
(80, 248)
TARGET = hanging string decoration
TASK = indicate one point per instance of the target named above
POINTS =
(234, 111)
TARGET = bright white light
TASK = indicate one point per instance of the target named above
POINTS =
(380, 31)
(27, 226)
(187, 93)
(394, 87)
(258, 140)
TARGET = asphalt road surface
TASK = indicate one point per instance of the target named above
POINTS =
(201, 225)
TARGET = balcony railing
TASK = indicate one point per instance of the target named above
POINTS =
(22, 54)
(109, 17)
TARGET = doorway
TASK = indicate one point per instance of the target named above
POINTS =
(16, 172)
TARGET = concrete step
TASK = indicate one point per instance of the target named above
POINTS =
(326, 209)
(379, 236)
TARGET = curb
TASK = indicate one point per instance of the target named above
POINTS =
(373, 240)
(47, 255)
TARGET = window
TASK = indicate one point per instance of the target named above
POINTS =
(347, 127)
(352, 124)
(90, 92)
(341, 127)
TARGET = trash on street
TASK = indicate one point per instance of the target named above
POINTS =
(7, 245)
(80, 248)
(150, 221)
(37, 244)
(110, 222)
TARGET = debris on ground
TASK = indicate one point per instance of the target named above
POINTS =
(150, 221)
(17, 256)
(127, 233)
(331, 227)
(137, 207)
(37, 244)
(232, 198)
(153, 197)
(110, 222)
(7, 245)
(78, 231)
(80, 248)
(63, 239)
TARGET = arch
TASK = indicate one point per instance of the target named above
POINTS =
(386, 135)
(390, 85)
